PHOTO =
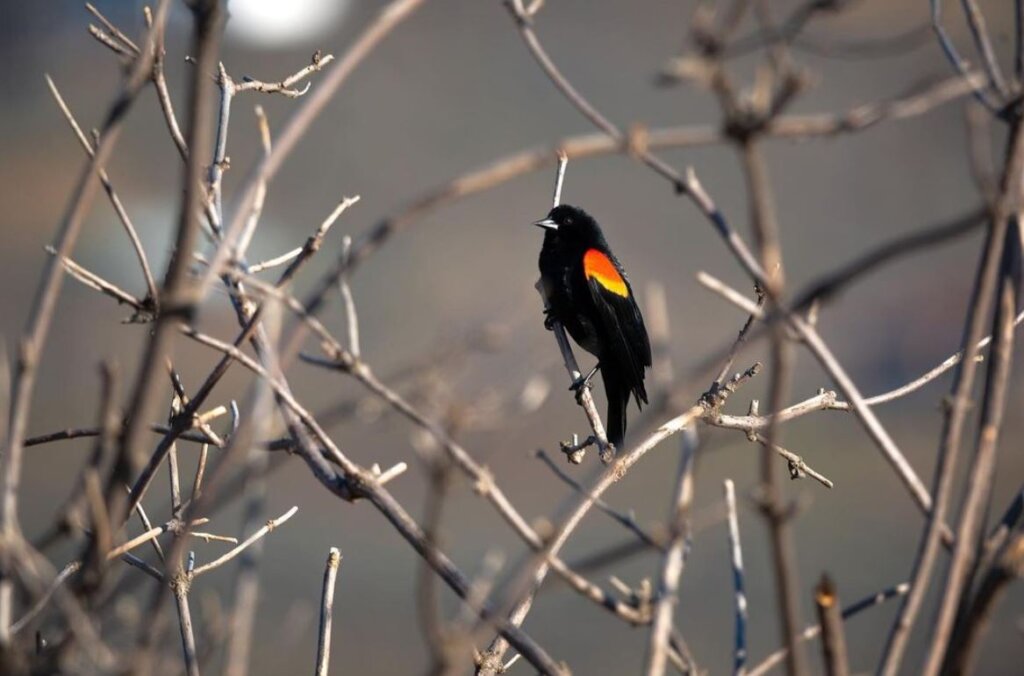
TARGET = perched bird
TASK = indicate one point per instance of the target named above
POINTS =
(589, 294)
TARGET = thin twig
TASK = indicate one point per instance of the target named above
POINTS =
(783, 548)
(739, 593)
(674, 558)
(484, 482)
(188, 638)
(148, 525)
(85, 432)
(276, 261)
(797, 466)
(814, 630)
(247, 583)
(351, 318)
(976, 22)
(315, 240)
(627, 520)
(115, 200)
(37, 608)
(980, 90)
(152, 533)
(112, 29)
(828, 400)
(220, 561)
(1007, 567)
(833, 636)
(96, 282)
(323, 649)
(286, 86)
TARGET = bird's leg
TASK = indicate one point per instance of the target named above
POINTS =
(583, 383)
(549, 319)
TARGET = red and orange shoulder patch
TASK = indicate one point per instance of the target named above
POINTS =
(597, 266)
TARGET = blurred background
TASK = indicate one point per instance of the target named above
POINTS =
(451, 299)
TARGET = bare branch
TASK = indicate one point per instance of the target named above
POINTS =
(740, 595)
(286, 86)
(115, 201)
(983, 465)
(44, 600)
(976, 21)
(674, 558)
(627, 520)
(248, 542)
(833, 637)
(112, 29)
(323, 650)
(351, 318)
(814, 630)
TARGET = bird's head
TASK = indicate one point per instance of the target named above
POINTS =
(571, 224)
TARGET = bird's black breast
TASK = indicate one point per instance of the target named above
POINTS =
(561, 271)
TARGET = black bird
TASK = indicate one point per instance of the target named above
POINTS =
(589, 294)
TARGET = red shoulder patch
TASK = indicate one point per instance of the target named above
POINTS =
(599, 267)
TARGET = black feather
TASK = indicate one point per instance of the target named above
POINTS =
(600, 319)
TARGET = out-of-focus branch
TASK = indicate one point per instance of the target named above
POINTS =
(956, 413)
(628, 521)
(357, 482)
(833, 637)
(115, 200)
(387, 19)
(323, 649)
(44, 305)
(766, 230)
(248, 542)
(177, 299)
(814, 630)
(980, 90)
(534, 572)
(674, 558)
(983, 465)
(739, 594)
(1007, 567)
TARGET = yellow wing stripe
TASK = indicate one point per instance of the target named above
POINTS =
(599, 267)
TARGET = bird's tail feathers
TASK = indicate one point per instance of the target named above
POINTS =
(617, 392)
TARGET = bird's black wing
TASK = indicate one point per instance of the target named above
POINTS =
(618, 320)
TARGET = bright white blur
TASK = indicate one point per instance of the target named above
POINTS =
(282, 23)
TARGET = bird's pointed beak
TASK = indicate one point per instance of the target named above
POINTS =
(547, 223)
